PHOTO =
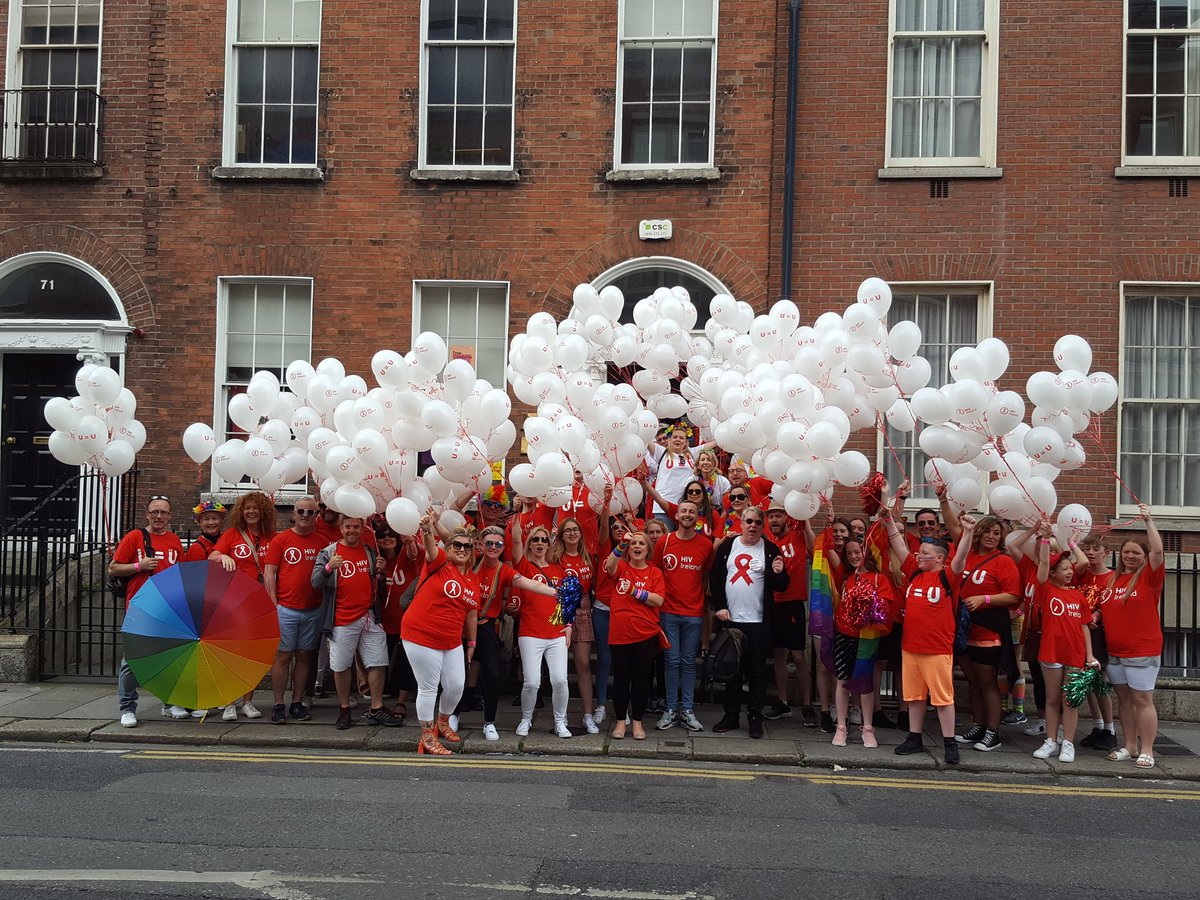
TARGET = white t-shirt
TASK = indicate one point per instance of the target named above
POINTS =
(671, 472)
(744, 574)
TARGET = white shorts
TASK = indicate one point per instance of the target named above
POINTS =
(365, 637)
(1139, 672)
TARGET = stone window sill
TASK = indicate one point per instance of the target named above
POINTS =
(504, 176)
(22, 171)
(699, 173)
(900, 172)
(268, 173)
(1157, 172)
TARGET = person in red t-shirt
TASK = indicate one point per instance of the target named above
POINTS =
(287, 576)
(132, 560)
(402, 561)
(1092, 577)
(602, 590)
(496, 597)
(930, 621)
(1129, 608)
(1066, 645)
(541, 637)
(685, 557)
(789, 630)
(570, 550)
(210, 516)
(633, 634)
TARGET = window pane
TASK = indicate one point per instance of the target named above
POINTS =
(668, 18)
(278, 26)
(492, 320)
(1135, 428)
(307, 25)
(936, 80)
(636, 86)
(63, 67)
(469, 80)
(909, 15)
(695, 127)
(499, 75)
(441, 20)
(269, 309)
(470, 20)
(277, 87)
(664, 133)
(500, 20)
(1191, 481)
(489, 360)
(1193, 64)
(1191, 138)
(1143, 13)
(239, 353)
(668, 67)
(250, 20)
(497, 136)
(250, 74)
(37, 67)
(439, 136)
(304, 78)
(698, 18)
(1170, 66)
(277, 134)
(968, 68)
(34, 20)
(304, 135)
(639, 18)
(1139, 66)
(1139, 133)
(89, 61)
(906, 69)
(433, 309)
(963, 328)
(249, 134)
(697, 70)
(1168, 373)
(240, 316)
(939, 15)
(635, 133)
(1171, 313)
(970, 15)
(936, 122)
(1168, 126)
(468, 136)
(906, 130)
(295, 347)
(1139, 321)
(966, 127)
(1172, 13)
(268, 351)
(298, 310)
(441, 75)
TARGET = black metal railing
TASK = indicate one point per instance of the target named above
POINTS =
(53, 126)
(54, 570)
(1180, 614)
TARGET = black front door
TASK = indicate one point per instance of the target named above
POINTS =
(27, 470)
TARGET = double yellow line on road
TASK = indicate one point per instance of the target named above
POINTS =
(613, 767)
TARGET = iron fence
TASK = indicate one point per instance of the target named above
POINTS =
(53, 125)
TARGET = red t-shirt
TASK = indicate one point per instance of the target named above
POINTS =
(293, 555)
(200, 549)
(1131, 622)
(685, 566)
(355, 585)
(541, 515)
(929, 615)
(536, 610)
(333, 533)
(760, 491)
(439, 610)
(400, 571)
(132, 548)
(794, 549)
(631, 621)
(988, 573)
(1063, 612)
(574, 565)
(495, 583)
(882, 586)
(244, 555)
(711, 526)
(579, 507)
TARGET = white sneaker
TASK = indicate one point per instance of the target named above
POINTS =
(523, 728)
(855, 716)
(668, 720)
(561, 729)
(129, 720)
(490, 733)
(599, 714)
(1048, 749)
(230, 714)
(199, 713)
(1067, 753)
(175, 712)
(453, 723)
(689, 721)
(1037, 729)
(251, 711)
(590, 724)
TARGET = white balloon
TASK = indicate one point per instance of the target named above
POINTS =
(257, 457)
(851, 468)
(1008, 501)
(430, 352)
(1071, 352)
(1074, 522)
(132, 433)
(904, 340)
(1004, 412)
(913, 374)
(91, 434)
(876, 295)
(932, 406)
(116, 459)
(199, 442)
(370, 448)
(824, 439)
(227, 460)
(964, 493)
(995, 357)
(1046, 391)
(62, 446)
(277, 434)
(263, 390)
(801, 506)
(60, 414)
(966, 364)
(969, 399)
(354, 501)
(242, 412)
(103, 385)
(1104, 391)
(1043, 444)
(900, 416)
(344, 465)
(1042, 493)
(332, 368)
(440, 418)
(403, 516)
(298, 375)
(524, 480)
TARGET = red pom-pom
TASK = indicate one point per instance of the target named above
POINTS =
(871, 493)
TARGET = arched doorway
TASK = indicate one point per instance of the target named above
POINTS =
(641, 277)
(55, 311)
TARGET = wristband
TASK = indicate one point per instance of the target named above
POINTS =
(619, 551)
(470, 643)
(328, 568)
(1044, 540)
(987, 599)
(641, 595)
(1072, 545)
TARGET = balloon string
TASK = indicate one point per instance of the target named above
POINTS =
(1093, 432)
(882, 426)
(108, 538)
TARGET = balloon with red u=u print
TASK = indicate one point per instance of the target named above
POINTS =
(197, 636)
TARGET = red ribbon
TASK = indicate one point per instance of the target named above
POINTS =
(742, 565)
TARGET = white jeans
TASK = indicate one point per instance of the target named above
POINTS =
(554, 651)
(431, 668)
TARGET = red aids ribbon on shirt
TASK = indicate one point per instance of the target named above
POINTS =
(742, 565)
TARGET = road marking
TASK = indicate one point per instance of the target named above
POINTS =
(566, 890)
(60, 750)
(613, 767)
(272, 884)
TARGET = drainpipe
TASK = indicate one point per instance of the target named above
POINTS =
(789, 166)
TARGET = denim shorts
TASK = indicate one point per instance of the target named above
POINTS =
(299, 629)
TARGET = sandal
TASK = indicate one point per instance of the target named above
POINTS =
(400, 711)
(639, 734)
(1120, 755)
(621, 736)
(1145, 761)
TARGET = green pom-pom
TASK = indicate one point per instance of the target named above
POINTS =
(1084, 682)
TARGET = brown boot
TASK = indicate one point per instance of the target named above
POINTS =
(445, 732)
(429, 741)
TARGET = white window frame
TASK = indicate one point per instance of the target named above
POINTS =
(423, 138)
(989, 89)
(220, 360)
(712, 40)
(641, 263)
(420, 283)
(1131, 289)
(984, 324)
(13, 67)
(1130, 159)
(229, 121)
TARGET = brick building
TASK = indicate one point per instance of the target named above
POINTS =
(231, 187)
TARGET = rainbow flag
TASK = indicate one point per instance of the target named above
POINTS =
(821, 589)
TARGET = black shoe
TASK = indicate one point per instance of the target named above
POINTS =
(826, 723)
(951, 746)
(989, 741)
(383, 716)
(756, 729)
(476, 704)
(777, 710)
(808, 716)
(902, 722)
(912, 744)
(728, 723)
(278, 714)
(880, 720)
(1107, 741)
(299, 712)
(344, 720)
(1090, 740)
(971, 735)
(657, 705)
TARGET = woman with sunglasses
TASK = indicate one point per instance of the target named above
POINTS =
(602, 590)
(709, 522)
(708, 473)
(569, 550)
(243, 548)
(496, 597)
(402, 565)
(731, 521)
(540, 638)
(633, 636)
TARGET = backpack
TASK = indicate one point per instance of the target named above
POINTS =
(962, 623)
(119, 584)
(724, 659)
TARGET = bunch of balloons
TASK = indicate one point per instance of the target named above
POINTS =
(97, 427)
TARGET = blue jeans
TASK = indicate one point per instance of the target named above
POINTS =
(680, 659)
(127, 685)
(603, 654)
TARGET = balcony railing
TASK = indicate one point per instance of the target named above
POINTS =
(53, 127)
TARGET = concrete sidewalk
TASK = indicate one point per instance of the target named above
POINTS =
(58, 711)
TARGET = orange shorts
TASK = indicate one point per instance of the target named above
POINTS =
(928, 675)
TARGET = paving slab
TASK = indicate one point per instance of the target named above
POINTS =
(851, 757)
(475, 743)
(188, 732)
(651, 748)
(323, 737)
(394, 740)
(539, 741)
(997, 761)
(53, 729)
(100, 708)
(4, 720)
(1182, 768)
(746, 750)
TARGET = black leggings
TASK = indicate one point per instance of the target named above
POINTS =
(1039, 685)
(488, 654)
(400, 675)
(632, 669)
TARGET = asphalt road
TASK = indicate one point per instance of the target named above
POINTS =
(179, 822)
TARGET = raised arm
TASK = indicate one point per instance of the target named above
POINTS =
(431, 549)
(949, 516)
(895, 535)
(1043, 552)
(1153, 538)
(959, 564)
(614, 558)
(518, 542)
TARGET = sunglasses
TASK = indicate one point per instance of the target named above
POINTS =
(739, 496)
(494, 545)
(305, 513)
(493, 504)
(462, 545)
(539, 540)
(695, 491)
(757, 522)
(386, 536)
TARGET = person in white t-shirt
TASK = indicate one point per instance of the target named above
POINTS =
(671, 468)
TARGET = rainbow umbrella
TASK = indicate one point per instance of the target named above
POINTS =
(198, 636)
